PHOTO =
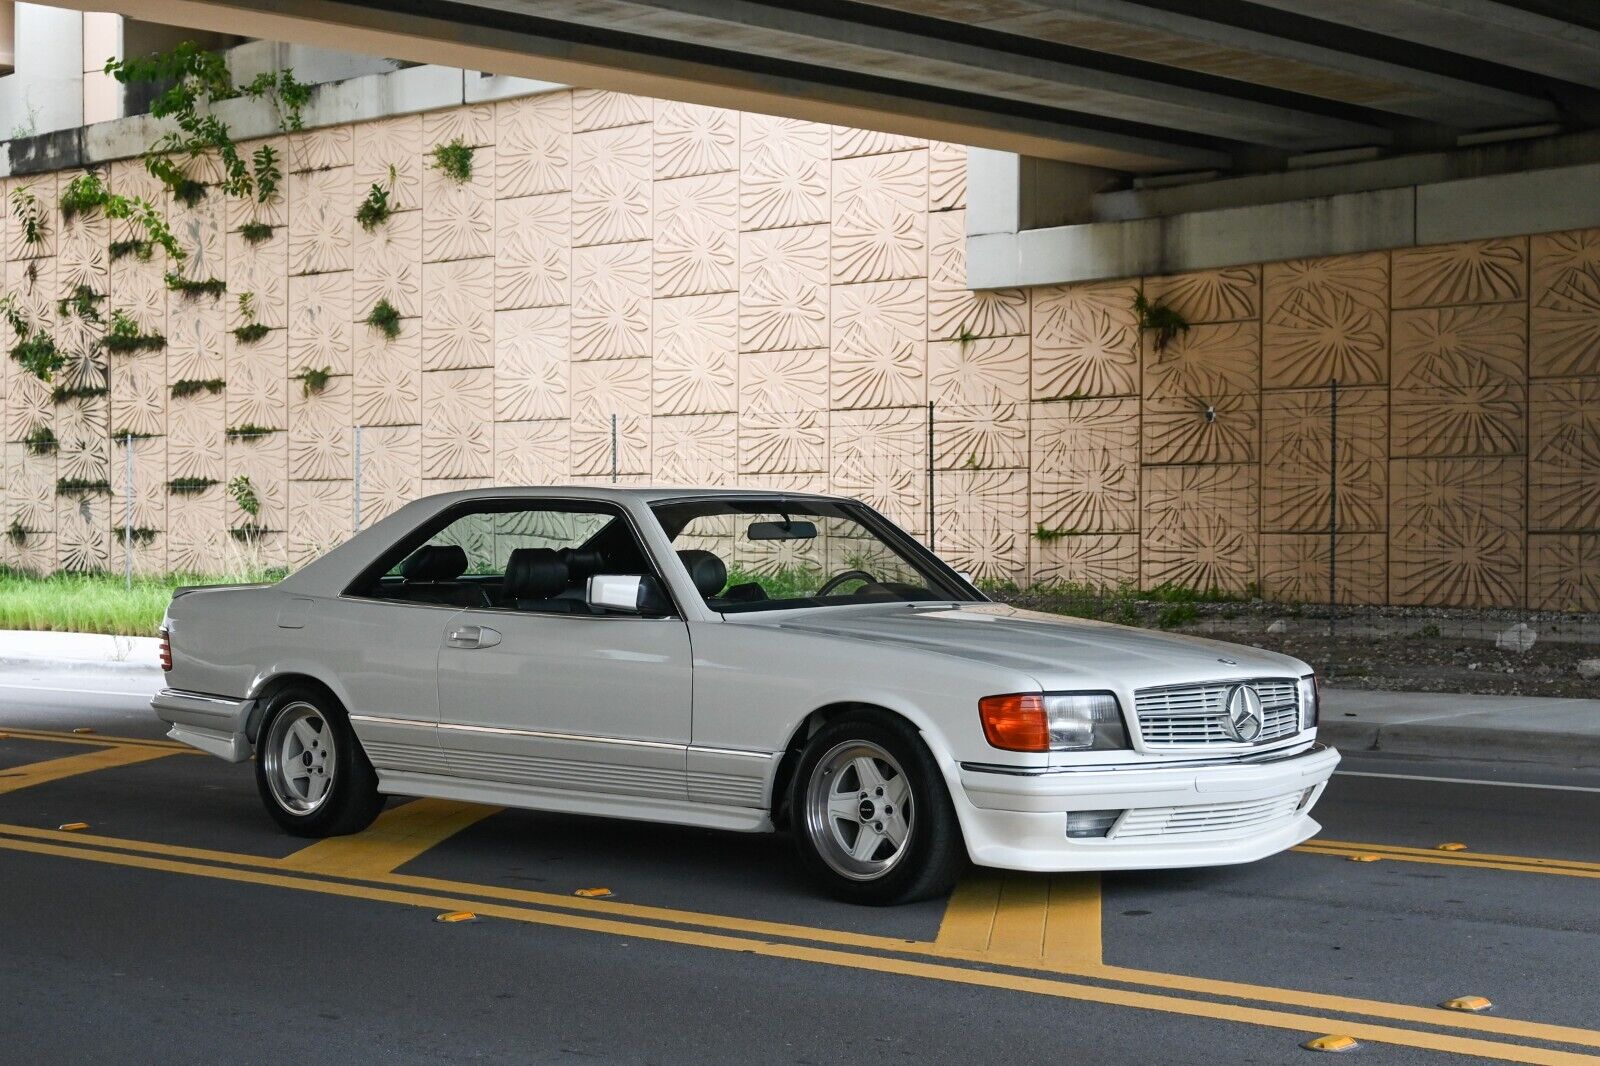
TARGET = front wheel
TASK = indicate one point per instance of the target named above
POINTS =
(873, 821)
(312, 774)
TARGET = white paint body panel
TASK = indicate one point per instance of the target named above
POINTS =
(687, 719)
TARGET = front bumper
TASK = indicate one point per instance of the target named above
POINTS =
(214, 724)
(1173, 816)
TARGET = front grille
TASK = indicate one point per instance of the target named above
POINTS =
(1176, 716)
(1213, 819)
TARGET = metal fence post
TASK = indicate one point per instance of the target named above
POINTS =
(1333, 516)
(613, 449)
(127, 510)
(930, 475)
(357, 479)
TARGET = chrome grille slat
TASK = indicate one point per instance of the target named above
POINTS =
(1193, 714)
(1218, 819)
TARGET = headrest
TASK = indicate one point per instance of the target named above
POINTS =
(534, 574)
(706, 571)
(581, 563)
(435, 562)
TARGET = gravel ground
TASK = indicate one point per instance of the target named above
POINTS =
(1399, 648)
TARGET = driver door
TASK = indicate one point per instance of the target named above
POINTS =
(546, 698)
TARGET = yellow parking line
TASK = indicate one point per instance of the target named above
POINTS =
(969, 916)
(399, 835)
(1299, 1023)
(1072, 925)
(39, 773)
(947, 948)
(94, 739)
(1478, 860)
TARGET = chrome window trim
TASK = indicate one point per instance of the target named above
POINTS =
(580, 738)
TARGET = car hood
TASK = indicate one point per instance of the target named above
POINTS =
(1056, 650)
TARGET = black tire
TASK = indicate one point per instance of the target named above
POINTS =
(925, 864)
(310, 770)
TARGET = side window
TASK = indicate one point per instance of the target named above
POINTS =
(536, 557)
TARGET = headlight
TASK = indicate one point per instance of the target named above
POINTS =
(1308, 702)
(1053, 721)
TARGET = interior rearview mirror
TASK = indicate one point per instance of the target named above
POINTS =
(626, 592)
(790, 530)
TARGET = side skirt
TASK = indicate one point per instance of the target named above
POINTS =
(671, 812)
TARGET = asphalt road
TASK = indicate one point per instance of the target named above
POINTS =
(179, 925)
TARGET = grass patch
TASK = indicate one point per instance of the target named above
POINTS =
(454, 160)
(192, 387)
(96, 602)
(385, 319)
(188, 287)
(255, 232)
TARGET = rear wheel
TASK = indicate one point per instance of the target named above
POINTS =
(873, 821)
(312, 774)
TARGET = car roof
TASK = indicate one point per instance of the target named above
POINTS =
(641, 493)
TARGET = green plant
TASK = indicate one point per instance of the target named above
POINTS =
(125, 434)
(100, 602)
(41, 441)
(1428, 629)
(268, 175)
(192, 80)
(247, 431)
(375, 210)
(192, 387)
(89, 192)
(84, 193)
(35, 350)
(124, 335)
(244, 495)
(75, 486)
(384, 318)
(1159, 319)
(454, 160)
(249, 533)
(190, 486)
(83, 302)
(16, 533)
(1046, 535)
(25, 207)
(313, 379)
(1176, 614)
(252, 330)
(138, 534)
(63, 393)
(255, 232)
(213, 287)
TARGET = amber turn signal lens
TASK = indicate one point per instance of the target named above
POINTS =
(1016, 722)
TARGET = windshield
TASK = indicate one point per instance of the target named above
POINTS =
(767, 554)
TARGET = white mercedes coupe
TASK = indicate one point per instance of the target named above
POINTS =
(741, 660)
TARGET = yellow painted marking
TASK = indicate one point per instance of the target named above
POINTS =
(73, 827)
(1475, 859)
(451, 917)
(1025, 918)
(40, 773)
(1333, 1042)
(1487, 1024)
(399, 835)
(1467, 1003)
(1366, 858)
(1451, 847)
(593, 893)
(98, 739)
(1447, 1043)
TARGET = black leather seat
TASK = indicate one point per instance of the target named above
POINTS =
(707, 572)
(535, 577)
(430, 574)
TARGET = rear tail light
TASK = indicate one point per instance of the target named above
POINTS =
(166, 648)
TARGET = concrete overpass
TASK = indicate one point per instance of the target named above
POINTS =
(1124, 126)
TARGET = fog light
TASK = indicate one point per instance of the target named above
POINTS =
(1091, 823)
(1305, 797)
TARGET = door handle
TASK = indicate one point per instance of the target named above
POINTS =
(471, 637)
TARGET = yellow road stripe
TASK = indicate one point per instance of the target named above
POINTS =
(1019, 917)
(1072, 926)
(399, 835)
(40, 773)
(828, 956)
(97, 739)
(946, 948)
(969, 916)
(1477, 860)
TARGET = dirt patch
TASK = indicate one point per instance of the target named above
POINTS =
(1398, 648)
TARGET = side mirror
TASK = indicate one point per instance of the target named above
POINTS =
(626, 592)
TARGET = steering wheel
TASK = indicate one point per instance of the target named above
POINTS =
(849, 575)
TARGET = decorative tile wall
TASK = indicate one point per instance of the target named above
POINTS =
(751, 300)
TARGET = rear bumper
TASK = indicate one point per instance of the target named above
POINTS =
(1172, 817)
(214, 724)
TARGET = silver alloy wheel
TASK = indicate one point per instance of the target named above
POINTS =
(299, 758)
(859, 810)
